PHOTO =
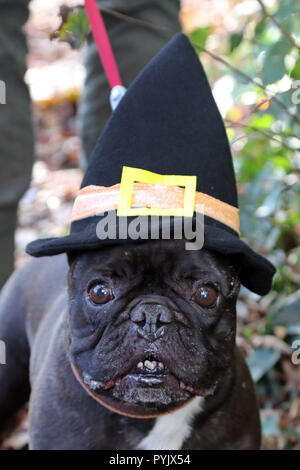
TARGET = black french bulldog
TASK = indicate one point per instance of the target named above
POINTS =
(137, 351)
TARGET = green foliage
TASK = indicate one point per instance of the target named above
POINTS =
(286, 8)
(295, 73)
(199, 36)
(274, 62)
(235, 40)
(74, 28)
(264, 129)
(261, 361)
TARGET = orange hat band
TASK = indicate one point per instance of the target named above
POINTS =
(151, 199)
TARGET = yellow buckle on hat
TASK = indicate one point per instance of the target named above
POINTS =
(132, 175)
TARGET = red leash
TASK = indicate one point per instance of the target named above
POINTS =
(105, 52)
(103, 43)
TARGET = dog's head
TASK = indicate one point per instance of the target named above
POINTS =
(151, 324)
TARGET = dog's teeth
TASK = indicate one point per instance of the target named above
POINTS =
(150, 365)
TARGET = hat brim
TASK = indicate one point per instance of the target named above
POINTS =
(256, 272)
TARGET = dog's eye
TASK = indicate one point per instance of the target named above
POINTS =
(205, 296)
(100, 294)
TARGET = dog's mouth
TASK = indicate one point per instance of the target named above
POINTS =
(149, 383)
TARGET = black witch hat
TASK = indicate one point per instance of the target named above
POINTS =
(168, 124)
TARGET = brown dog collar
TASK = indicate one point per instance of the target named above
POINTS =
(124, 409)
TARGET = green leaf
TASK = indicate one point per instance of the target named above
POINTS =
(272, 238)
(75, 29)
(294, 329)
(235, 41)
(295, 73)
(282, 162)
(274, 67)
(289, 312)
(199, 36)
(286, 8)
(259, 28)
(270, 425)
(292, 24)
(262, 122)
(261, 361)
(270, 203)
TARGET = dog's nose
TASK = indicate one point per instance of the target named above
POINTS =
(151, 319)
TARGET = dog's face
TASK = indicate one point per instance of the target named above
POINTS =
(151, 324)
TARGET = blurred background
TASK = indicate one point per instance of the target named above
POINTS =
(251, 51)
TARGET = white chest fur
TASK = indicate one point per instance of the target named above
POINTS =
(170, 431)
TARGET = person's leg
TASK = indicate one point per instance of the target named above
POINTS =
(16, 133)
(134, 46)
